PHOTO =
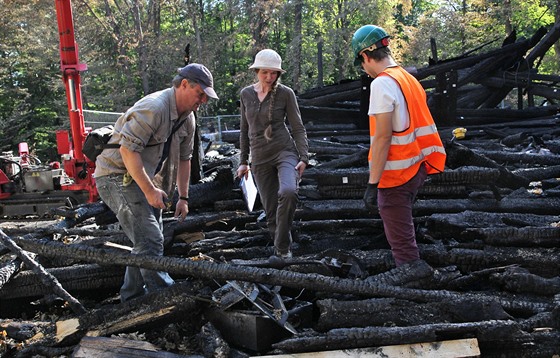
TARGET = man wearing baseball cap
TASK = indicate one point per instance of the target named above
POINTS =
(151, 154)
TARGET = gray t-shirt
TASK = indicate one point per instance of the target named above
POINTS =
(255, 118)
(145, 128)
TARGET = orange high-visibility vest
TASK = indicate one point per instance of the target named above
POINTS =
(419, 143)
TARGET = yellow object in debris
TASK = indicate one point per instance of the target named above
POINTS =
(459, 133)
(127, 179)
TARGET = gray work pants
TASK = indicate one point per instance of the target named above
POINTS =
(142, 224)
(277, 182)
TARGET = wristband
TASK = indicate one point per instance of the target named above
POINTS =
(184, 198)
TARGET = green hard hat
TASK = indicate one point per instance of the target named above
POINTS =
(365, 37)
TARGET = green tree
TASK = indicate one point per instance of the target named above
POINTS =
(31, 91)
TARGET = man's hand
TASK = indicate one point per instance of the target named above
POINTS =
(181, 209)
(157, 198)
(370, 197)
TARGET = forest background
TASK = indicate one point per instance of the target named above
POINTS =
(133, 47)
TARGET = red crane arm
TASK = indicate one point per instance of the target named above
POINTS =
(71, 69)
(76, 165)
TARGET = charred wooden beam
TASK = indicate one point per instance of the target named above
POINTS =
(220, 271)
(385, 311)
(474, 278)
(327, 90)
(520, 280)
(73, 279)
(317, 114)
(403, 274)
(532, 159)
(344, 338)
(354, 208)
(523, 80)
(442, 226)
(469, 97)
(46, 278)
(8, 269)
(475, 259)
(216, 186)
(519, 64)
(545, 44)
(43, 350)
(209, 221)
(353, 160)
(329, 99)
(465, 175)
(335, 225)
(529, 236)
(459, 155)
(494, 116)
(82, 212)
(460, 63)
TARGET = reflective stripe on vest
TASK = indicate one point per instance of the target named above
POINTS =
(418, 143)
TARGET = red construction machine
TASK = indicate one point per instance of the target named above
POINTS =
(28, 187)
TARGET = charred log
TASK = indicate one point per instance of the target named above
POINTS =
(47, 279)
(353, 160)
(473, 259)
(531, 236)
(539, 173)
(8, 269)
(403, 274)
(458, 155)
(216, 186)
(218, 271)
(344, 338)
(522, 158)
(385, 312)
(73, 279)
(43, 350)
(520, 280)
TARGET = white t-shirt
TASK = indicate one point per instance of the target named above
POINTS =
(386, 96)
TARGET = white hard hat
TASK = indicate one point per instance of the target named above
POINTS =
(268, 59)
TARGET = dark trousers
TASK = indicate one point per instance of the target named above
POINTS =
(395, 209)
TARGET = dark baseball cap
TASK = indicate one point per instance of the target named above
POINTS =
(201, 75)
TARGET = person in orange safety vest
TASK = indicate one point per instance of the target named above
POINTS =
(405, 145)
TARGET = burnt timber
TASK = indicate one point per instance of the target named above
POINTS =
(488, 230)
(469, 89)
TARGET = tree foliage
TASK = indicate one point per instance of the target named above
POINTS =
(133, 47)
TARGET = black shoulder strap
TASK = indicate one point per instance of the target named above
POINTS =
(177, 126)
(167, 144)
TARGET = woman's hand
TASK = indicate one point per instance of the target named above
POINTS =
(300, 167)
(243, 171)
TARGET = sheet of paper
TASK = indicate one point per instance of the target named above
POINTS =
(250, 191)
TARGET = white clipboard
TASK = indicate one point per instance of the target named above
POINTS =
(250, 191)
